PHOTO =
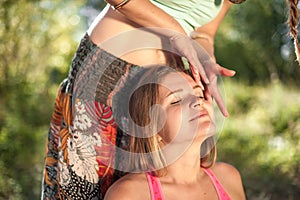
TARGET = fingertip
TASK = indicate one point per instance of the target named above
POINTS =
(200, 84)
(206, 81)
(223, 110)
(229, 73)
(225, 113)
(226, 72)
(232, 72)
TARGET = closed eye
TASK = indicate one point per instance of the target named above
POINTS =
(176, 102)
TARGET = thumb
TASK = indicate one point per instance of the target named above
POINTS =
(225, 72)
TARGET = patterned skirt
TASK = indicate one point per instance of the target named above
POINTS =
(82, 136)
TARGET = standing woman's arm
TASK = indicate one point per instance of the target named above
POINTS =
(146, 14)
(205, 34)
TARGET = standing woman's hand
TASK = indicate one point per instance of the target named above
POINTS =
(183, 46)
(213, 70)
(203, 65)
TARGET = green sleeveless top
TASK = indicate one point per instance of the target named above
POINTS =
(190, 13)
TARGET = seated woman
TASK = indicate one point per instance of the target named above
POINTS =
(172, 154)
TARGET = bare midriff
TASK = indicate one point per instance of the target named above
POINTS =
(125, 39)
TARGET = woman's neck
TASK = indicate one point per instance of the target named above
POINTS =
(187, 168)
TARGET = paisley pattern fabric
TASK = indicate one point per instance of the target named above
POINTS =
(82, 136)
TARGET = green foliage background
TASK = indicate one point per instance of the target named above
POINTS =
(261, 137)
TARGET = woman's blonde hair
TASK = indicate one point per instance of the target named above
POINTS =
(134, 104)
(293, 25)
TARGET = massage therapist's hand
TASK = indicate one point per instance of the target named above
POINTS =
(203, 66)
(183, 46)
(213, 70)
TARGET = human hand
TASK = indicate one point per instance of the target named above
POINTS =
(183, 46)
(213, 70)
(202, 65)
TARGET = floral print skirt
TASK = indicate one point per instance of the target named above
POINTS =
(82, 136)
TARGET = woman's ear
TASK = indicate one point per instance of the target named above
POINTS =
(159, 139)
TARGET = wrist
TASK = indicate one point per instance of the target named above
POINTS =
(200, 35)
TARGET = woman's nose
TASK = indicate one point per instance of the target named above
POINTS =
(197, 102)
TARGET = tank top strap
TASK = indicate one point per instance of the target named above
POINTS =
(222, 194)
(155, 187)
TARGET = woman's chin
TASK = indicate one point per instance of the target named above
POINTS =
(206, 129)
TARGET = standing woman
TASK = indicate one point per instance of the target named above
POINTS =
(82, 136)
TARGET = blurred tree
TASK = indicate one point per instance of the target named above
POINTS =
(253, 40)
(37, 45)
(262, 135)
(262, 139)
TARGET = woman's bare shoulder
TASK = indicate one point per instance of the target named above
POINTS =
(131, 186)
(225, 169)
(230, 178)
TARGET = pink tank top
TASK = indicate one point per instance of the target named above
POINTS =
(157, 194)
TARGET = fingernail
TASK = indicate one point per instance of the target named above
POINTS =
(206, 81)
(198, 81)
(226, 114)
(201, 85)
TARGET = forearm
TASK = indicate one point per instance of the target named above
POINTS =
(205, 34)
(212, 27)
(146, 14)
(205, 41)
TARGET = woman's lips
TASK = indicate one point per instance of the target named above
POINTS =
(200, 114)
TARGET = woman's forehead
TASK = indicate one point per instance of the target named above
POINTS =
(176, 80)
